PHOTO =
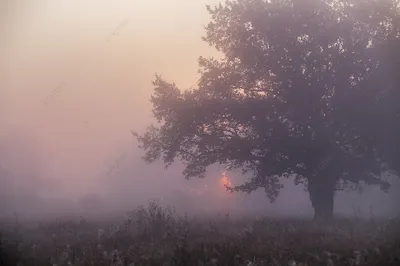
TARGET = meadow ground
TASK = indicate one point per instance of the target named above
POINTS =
(155, 235)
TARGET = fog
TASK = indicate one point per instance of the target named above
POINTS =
(78, 81)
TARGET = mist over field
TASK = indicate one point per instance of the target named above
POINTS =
(77, 85)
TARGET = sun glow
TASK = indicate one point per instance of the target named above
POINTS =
(224, 181)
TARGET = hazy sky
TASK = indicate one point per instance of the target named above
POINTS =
(93, 63)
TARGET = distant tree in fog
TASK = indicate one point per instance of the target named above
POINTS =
(292, 96)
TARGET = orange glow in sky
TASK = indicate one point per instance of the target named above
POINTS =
(225, 180)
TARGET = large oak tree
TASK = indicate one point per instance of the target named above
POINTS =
(289, 97)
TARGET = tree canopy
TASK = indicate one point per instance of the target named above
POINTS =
(291, 96)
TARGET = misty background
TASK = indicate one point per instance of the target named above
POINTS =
(78, 80)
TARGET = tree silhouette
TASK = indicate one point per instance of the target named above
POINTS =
(289, 98)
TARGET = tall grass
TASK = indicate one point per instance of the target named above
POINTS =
(157, 235)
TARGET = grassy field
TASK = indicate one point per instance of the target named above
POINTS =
(156, 235)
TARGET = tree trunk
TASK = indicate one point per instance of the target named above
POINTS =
(322, 192)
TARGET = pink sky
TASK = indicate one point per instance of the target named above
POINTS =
(105, 54)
